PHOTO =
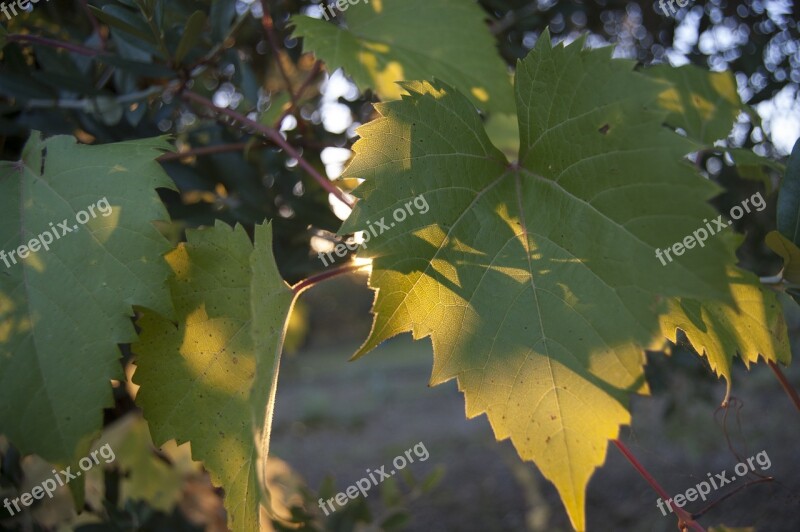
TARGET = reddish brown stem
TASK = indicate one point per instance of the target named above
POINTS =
(205, 150)
(274, 136)
(685, 520)
(269, 29)
(788, 388)
(307, 283)
(315, 70)
(53, 43)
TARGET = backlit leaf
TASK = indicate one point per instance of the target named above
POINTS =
(537, 281)
(753, 326)
(704, 104)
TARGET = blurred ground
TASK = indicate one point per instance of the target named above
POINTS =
(335, 417)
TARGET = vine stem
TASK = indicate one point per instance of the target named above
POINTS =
(313, 280)
(685, 520)
(274, 136)
(787, 387)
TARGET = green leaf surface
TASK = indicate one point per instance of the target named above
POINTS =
(64, 309)
(211, 381)
(536, 281)
(394, 40)
(702, 103)
(753, 326)
(789, 198)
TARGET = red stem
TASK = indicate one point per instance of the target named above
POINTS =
(684, 518)
(790, 391)
(324, 276)
(277, 138)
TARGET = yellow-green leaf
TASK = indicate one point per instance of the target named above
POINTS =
(753, 326)
(537, 281)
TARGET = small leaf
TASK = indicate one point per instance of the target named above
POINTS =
(386, 42)
(124, 20)
(191, 35)
(395, 521)
(433, 480)
(702, 103)
(752, 166)
(789, 198)
(790, 254)
(211, 381)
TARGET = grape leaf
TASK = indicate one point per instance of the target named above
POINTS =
(537, 280)
(704, 104)
(211, 381)
(64, 309)
(753, 326)
(388, 41)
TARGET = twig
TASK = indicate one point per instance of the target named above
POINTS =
(734, 492)
(53, 43)
(205, 150)
(269, 29)
(85, 104)
(787, 387)
(685, 520)
(315, 70)
(274, 136)
(308, 282)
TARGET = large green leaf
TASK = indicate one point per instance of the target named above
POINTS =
(704, 104)
(789, 198)
(393, 40)
(753, 326)
(64, 310)
(537, 281)
(211, 381)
